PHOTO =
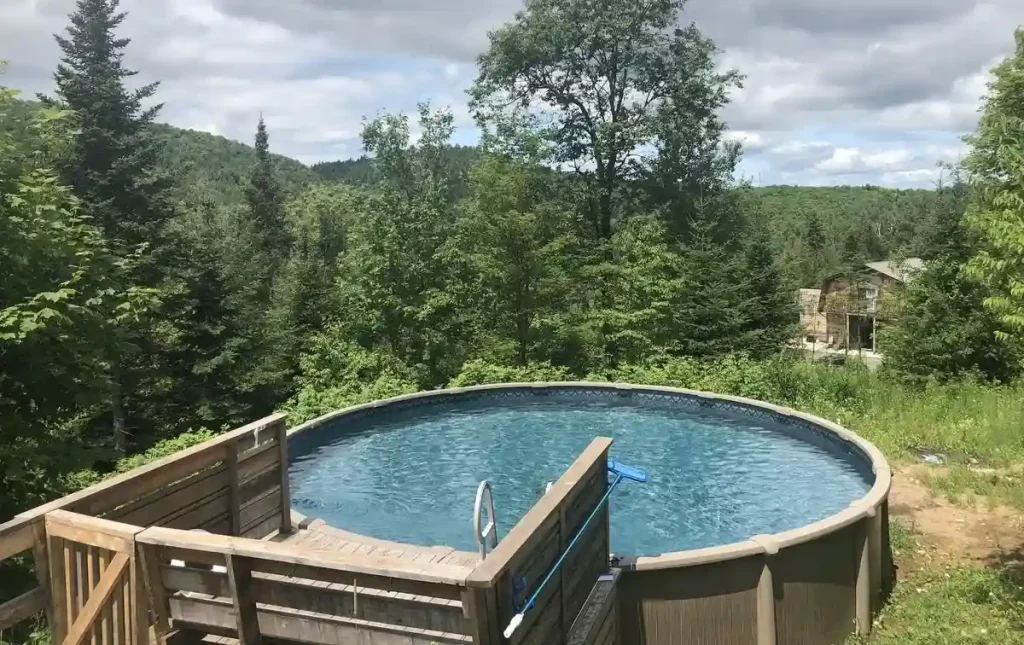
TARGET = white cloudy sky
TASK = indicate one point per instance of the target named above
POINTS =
(837, 91)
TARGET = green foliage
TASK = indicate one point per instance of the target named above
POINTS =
(478, 372)
(336, 374)
(613, 81)
(219, 168)
(996, 166)
(265, 207)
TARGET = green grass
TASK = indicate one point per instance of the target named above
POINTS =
(948, 605)
(965, 485)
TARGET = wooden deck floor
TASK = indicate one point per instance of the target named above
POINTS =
(319, 536)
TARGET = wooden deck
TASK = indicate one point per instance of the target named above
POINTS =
(203, 546)
(319, 536)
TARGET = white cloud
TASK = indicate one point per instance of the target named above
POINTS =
(866, 91)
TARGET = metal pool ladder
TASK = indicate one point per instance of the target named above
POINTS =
(482, 533)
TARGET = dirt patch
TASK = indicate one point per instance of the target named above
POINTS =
(956, 533)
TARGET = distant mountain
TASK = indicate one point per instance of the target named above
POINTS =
(200, 159)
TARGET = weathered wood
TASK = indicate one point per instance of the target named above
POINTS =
(41, 564)
(263, 527)
(99, 596)
(286, 500)
(201, 487)
(284, 554)
(351, 600)
(240, 584)
(215, 615)
(151, 578)
(256, 510)
(92, 531)
(204, 511)
(22, 608)
(124, 488)
(234, 499)
(16, 536)
(524, 534)
(58, 587)
(138, 602)
(258, 464)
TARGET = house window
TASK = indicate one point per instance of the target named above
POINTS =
(869, 292)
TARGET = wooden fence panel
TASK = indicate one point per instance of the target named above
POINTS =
(251, 589)
(512, 572)
(95, 587)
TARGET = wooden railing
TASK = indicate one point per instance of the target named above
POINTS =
(17, 537)
(501, 584)
(252, 590)
(169, 547)
(235, 484)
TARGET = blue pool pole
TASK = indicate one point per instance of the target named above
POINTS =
(620, 472)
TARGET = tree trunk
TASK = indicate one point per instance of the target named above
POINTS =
(117, 409)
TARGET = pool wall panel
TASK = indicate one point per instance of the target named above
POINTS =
(815, 587)
(710, 604)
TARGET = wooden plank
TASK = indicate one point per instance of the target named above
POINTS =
(256, 510)
(165, 502)
(352, 600)
(258, 485)
(246, 450)
(21, 608)
(282, 553)
(286, 499)
(153, 581)
(234, 498)
(257, 465)
(92, 531)
(240, 583)
(99, 596)
(264, 527)
(203, 511)
(215, 615)
(16, 536)
(138, 623)
(41, 564)
(126, 487)
(525, 533)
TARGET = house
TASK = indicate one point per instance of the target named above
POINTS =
(855, 303)
(813, 323)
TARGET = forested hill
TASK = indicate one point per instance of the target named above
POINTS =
(814, 230)
(866, 222)
(220, 167)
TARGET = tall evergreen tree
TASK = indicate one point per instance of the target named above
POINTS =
(266, 207)
(112, 165)
(945, 330)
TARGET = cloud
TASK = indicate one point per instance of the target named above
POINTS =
(865, 91)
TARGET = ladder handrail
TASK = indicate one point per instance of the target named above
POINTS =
(481, 533)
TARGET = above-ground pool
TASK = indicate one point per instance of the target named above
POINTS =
(759, 525)
(717, 474)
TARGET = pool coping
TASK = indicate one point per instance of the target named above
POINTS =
(865, 507)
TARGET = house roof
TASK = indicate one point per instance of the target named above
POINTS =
(902, 271)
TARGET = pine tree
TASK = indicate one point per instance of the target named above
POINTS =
(266, 209)
(112, 165)
(945, 330)
(813, 249)
(770, 310)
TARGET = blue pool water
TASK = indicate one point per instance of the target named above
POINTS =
(715, 477)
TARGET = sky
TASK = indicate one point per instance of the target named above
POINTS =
(836, 91)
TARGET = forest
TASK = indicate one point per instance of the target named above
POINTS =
(158, 285)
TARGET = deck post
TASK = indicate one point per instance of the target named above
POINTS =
(240, 581)
(234, 498)
(286, 497)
